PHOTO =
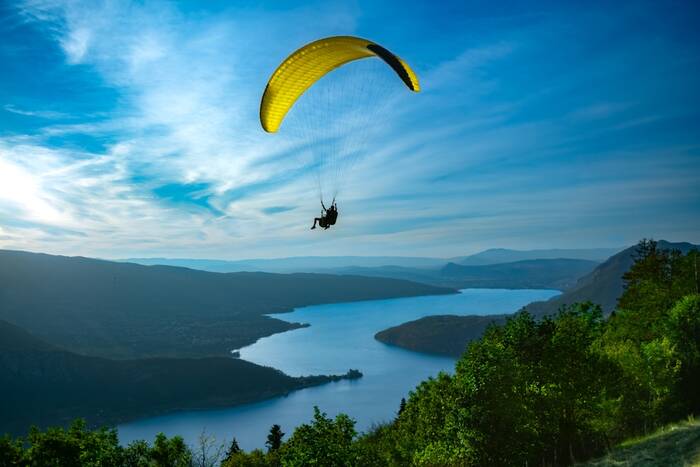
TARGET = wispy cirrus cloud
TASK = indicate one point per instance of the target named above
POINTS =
(508, 145)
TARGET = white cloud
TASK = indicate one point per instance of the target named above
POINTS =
(76, 44)
(47, 114)
(188, 99)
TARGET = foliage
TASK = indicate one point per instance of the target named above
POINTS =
(550, 392)
(78, 446)
(683, 329)
(561, 389)
(322, 442)
(274, 438)
(233, 449)
(117, 310)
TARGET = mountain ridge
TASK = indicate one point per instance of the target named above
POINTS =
(525, 274)
(326, 263)
(446, 335)
(602, 286)
(111, 391)
(125, 310)
(507, 255)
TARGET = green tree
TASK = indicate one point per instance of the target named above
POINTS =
(137, 454)
(643, 340)
(684, 333)
(11, 451)
(323, 442)
(233, 449)
(653, 285)
(274, 438)
(171, 452)
(75, 446)
(402, 405)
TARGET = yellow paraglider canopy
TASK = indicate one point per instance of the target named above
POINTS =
(308, 64)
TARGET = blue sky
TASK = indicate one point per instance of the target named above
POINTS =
(131, 129)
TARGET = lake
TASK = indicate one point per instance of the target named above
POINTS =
(341, 336)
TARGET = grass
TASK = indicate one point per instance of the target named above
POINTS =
(677, 444)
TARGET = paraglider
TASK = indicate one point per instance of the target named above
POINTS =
(301, 71)
(328, 216)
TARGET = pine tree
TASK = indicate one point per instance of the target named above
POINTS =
(233, 449)
(274, 438)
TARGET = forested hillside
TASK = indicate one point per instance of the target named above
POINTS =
(543, 392)
(441, 334)
(450, 334)
(505, 255)
(554, 391)
(41, 384)
(123, 310)
(604, 285)
(527, 274)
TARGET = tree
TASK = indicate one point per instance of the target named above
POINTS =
(324, 441)
(274, 438)
(137, 454)
(402, 405)
(171, 452)
(80, 446)
(647, 338)
(75, 446)
(209, 453)
(11, 452)
(684, 333)
(657, 280)
(233, 449)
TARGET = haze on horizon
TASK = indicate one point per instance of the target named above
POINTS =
(131, 129)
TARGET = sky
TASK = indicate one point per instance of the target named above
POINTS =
(131, 129)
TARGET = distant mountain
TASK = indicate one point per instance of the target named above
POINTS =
(536, 274)
(294, 264)
(42, 384)
(424, 275)
(532, 274)
(449, 335)
(124, 310)
(604, 285)
(345, 264)
(441, 334)
(503, 255)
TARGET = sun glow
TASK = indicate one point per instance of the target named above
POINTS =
(21, 189)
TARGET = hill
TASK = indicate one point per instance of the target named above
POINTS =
(440, 334)
(528, 274)
(293, 264)
(348, 264)
(540, 273)
(42, 384)
(673, 445)
(603, 285)
(449, 335)
(124, 310)
(504, 255)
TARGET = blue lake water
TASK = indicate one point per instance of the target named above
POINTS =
(341, 336)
